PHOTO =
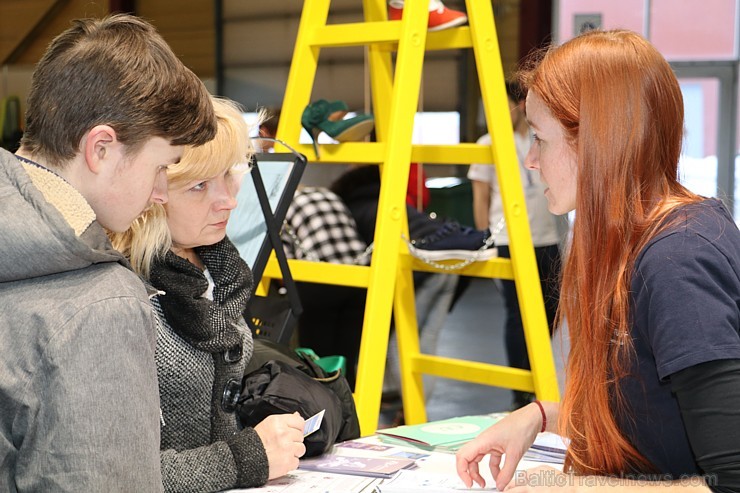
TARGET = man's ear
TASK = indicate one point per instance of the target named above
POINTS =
(99, 145)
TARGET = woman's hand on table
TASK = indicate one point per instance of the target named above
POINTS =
(512, 436)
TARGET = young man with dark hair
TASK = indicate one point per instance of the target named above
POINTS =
(109, 108)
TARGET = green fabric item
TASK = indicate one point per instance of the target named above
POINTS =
(329, 364)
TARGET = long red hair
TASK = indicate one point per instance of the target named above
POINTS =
(621, 107)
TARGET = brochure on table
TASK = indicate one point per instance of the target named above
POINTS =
(444, 436)
(300, 481)
(547, 447)
(376, 467)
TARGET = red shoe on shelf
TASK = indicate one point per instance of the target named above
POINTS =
(440, 17)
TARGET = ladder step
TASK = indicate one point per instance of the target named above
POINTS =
(348, 152)
(374, 152)
(356, 34)
(338, 274)
(386, 33)
(359, 275)
(450, 39)
(496, 267)
(451, 154)
(473, 371)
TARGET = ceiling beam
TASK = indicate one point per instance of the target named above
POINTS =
(14, 51)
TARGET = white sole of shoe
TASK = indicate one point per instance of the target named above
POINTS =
(453, 23)
(436, 255)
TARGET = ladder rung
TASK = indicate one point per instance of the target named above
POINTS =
(374, 152)
(450, 39)
(349, 152)
(358, 33)
(494, 268)
(322, 272)
(473, 371)
(359, 275)
(387, 33)
(451, 154)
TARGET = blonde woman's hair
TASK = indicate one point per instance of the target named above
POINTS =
(149, 237)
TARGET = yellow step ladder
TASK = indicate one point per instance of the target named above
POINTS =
(389, 277)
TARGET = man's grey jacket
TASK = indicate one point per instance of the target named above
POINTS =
(79, 406)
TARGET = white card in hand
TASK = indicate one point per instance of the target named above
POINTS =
(313, 423)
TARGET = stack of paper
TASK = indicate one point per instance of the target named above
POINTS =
(445, 436)
(302, 481)
(425, 482)
(357, 466)
(547, 447)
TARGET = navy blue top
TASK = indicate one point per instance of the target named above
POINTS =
(686, 309)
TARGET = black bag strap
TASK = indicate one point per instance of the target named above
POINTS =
(284, 332)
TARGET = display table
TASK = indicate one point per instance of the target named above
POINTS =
(437, 469)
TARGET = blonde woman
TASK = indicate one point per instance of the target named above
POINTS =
(203, 343)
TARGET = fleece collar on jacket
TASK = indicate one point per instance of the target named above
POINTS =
(67, 200)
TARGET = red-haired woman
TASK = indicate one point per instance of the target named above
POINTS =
(650, 289)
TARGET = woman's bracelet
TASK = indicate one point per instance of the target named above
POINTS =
(544, 416)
